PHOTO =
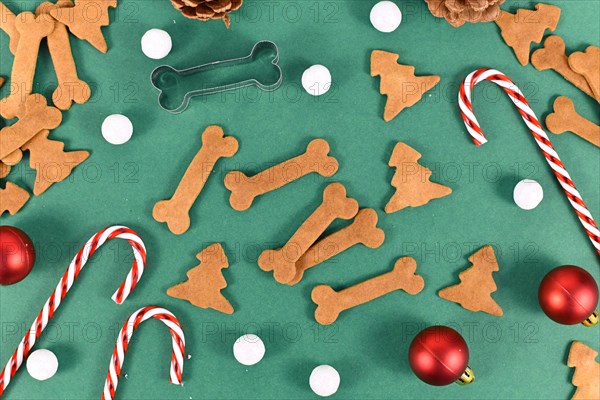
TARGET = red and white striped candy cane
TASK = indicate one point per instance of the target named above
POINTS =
(118, 355)
(65, 284)
(558, 168)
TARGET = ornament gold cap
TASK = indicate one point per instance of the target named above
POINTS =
(592, 319)
(467, 377)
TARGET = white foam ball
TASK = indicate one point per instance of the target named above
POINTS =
(528, 194)
(117, 129)
(42, 364)
(156, 44)
(386, 16)
(248, 349)
(316, 80)
(324, 380)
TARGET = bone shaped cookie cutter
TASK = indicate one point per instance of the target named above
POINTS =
(177, 87)
(331, 303)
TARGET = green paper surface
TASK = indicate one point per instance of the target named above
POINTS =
(520, 355)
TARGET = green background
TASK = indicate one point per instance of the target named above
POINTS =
(520, 355)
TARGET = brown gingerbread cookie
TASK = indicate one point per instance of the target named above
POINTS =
(527, 26)
(586, 377)
(12, 198)
(331, 303)
(476, 284)
(205, 281)
(399, 82)
(411, 180)
(587, 63)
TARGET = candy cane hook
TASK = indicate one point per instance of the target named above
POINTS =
(65, 284)
(118, 355)
(558, 168)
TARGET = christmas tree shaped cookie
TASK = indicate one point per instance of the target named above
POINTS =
(86, 19)
(526, 26)
(398, 82)
(411, 180)
(476, 284)
(586, 377)
(205, 281)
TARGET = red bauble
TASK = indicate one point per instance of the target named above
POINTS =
(568, 294)
(17, 255)
(438, 355)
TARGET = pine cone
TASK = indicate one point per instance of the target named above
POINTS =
(457, 12)
(205, 10)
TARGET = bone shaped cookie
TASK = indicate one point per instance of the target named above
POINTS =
(588, 64)
(177, 87)
(82, 25)
(565, 118)
(331, 303)
(38, 116)
(12, 198)
(283, 261)
(31, 32)
(7, 24)
(363, 230)
(4, 170)
(13, 158)
(553, 56)
(245, 189)
(51, 162)
(175, 211)
(70, 88)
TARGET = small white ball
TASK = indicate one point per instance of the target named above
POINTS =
(42, 364)
(528, 194)
(324, 380)
(316, 80)
(156, 44)
(117, 129)
(386, 16)
(248, 349)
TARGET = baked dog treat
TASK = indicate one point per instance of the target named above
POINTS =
(4, 170)
(587, 63)
(51, 162)
(31, 30)
(205, 281)
(283, 261)
(331, 303)
(363, 230)
(70, 88)
(399, 82)
(527, 26)
(411, 180)
(587, 370)
(565, 118)
(7, 24)
(476, 284)
(553, 56)
(12, 198)
(175, 211)
(37, 117)
(245, 189)
(83, 27)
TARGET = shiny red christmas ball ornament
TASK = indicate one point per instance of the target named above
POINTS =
(17, 255)
(569, 295)
(439, 356)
